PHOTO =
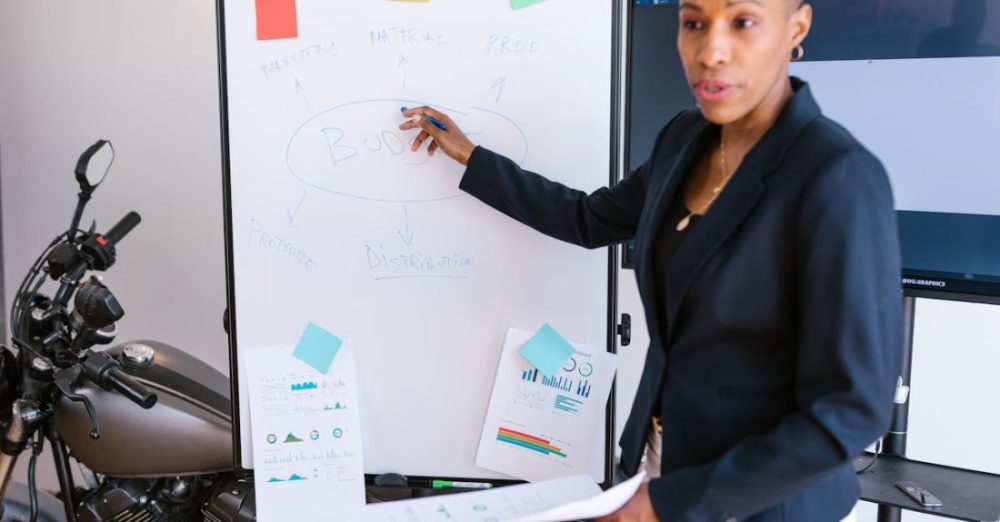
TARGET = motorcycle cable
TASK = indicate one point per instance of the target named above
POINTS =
(31, 297)
(34, 272)
(30, 349)
(37, 445)
(36, 267)
(32, 278)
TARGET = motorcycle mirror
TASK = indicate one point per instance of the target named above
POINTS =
(94, 164)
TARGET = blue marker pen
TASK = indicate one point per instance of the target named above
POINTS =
(436, 122)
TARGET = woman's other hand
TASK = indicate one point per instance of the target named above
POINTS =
(452, 142)
(638, 509)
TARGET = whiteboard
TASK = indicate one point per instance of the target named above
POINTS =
(331, 218)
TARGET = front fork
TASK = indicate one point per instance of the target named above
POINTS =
(28, 416)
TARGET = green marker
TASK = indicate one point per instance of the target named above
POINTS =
(449, 484)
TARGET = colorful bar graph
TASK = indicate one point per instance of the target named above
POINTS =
(529, 442)
(530, 375)
(583, 389)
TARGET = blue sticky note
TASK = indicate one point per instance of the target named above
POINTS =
(547, 350)
(317, 348)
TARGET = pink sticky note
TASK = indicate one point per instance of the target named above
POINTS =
(276, 19)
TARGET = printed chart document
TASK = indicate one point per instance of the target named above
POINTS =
(597, 506)
(541, 427)
(306, 428)
(501, 504)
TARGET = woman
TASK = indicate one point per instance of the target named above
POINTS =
(768, 262)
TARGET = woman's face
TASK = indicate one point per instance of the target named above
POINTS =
(736, 52)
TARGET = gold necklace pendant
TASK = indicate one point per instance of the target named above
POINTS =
(726, 176)
(682, 224)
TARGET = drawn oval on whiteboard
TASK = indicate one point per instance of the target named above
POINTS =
(357, 150)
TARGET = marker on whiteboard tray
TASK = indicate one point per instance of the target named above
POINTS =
(449, 484)
(436, 122)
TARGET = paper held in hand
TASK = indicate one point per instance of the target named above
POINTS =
(569, 498)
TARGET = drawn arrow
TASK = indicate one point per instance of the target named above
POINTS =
(406, 236)
(300, 93)
(499, 85)
(401, 63)
(293, 213)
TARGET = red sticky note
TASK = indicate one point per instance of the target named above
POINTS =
(276, 19)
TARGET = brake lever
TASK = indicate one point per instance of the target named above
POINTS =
(64, 379)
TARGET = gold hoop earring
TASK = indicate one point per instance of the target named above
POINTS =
(798, 53)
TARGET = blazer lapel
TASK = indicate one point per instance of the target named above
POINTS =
(673, 176)
(706, 236)
(736, 202)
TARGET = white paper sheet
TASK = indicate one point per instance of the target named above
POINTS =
(501, 504)
(539, 427)
(597, 506)
(307, 444)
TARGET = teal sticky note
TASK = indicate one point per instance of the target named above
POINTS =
(519, 4)
(547, 350)
(317, 348)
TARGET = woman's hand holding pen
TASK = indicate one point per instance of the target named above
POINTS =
(638, 509)
(450, 140)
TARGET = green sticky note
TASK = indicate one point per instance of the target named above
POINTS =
(547, 350)
(317, 348)
(520, 4)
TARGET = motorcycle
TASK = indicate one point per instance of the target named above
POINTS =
(148, 425)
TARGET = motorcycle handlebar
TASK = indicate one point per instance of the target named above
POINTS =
(123, 227)
(131, 389)
(102, 369)
(97, 253)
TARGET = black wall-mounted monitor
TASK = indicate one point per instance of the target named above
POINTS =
(919, 84)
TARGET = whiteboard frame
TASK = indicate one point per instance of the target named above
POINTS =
(621, 17)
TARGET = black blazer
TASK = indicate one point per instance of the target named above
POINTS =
(775, 353)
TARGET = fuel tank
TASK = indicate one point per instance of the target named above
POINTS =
(187, 432)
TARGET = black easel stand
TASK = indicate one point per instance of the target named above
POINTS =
(966, 495)
(894, 443)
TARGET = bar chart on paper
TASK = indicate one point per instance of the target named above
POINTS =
(530, 442)
(541, 426)
(307, 437)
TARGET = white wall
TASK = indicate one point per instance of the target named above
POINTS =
(142, 74)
